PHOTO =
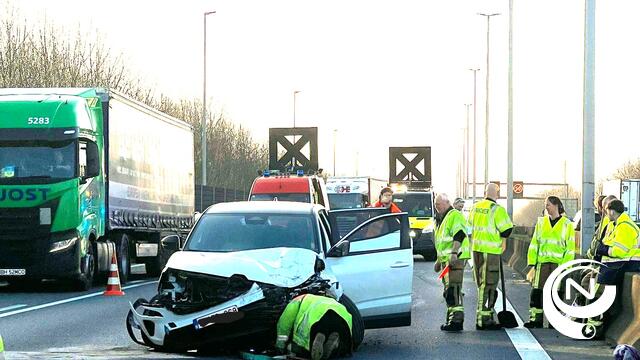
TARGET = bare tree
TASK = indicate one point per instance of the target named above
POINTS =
(630, 170)
(42, 55)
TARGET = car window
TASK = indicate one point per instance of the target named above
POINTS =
(381, 234)
(239, 232)
(324, 223)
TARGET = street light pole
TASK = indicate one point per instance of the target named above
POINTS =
(335, 133)
(475, 133)
(203, 145)
(295, 92)
(510, 119)
(465, 193)
(486, 121)
(588, 134)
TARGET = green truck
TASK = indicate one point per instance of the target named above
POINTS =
(84, 172)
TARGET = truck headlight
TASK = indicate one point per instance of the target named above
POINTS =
(427, 229)
(63, 241)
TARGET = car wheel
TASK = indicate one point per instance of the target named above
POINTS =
(356, 319)
(429, 255)
(155, 265)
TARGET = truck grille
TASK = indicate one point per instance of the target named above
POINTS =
(23, 241)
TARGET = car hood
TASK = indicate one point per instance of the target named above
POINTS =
(284, 267)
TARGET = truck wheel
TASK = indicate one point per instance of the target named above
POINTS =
(155, 265)
(356, 321)
(88, 269)
(123, 258)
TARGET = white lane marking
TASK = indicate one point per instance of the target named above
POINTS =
(13, 307)
(59, 302)
(525, 343)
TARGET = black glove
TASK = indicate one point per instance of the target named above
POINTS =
(603, 250)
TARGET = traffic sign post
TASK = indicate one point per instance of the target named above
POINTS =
(518, 189)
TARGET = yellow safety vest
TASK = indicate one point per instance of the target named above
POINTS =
(549, 244)
(452, 223)
(487, 220)
(623, 240)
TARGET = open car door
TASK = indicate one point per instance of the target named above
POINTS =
(372, 257)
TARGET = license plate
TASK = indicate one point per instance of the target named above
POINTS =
(210, 319)
(13, 272)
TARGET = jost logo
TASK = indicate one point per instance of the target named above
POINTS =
(560, 313)
(23, 194)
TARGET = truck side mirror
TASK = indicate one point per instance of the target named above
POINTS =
(93, 161)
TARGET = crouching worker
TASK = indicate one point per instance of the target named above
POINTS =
(316, 327)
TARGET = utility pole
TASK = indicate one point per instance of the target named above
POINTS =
(465, 193)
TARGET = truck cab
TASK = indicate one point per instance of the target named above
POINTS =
(418, 203)
(281, 186)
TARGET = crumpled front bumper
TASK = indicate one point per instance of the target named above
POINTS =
(162, 327)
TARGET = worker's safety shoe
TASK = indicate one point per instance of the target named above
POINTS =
(452, 327)
(489, 326)
(331, 345)
(532, 324)
(317, 347)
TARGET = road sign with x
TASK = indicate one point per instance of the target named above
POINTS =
(410, 165)
(293, 141)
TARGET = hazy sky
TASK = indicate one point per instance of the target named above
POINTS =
(389, 73)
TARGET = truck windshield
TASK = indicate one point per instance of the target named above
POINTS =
(347, 201)
(240, 232)
(295, 197)
(22, 161)
(416, 204)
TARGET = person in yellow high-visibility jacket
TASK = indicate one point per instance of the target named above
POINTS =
(620, 251)
(1, 348)
(553, 243)
(490, 227)
(315, 326)
(602, 230)
(452, 247)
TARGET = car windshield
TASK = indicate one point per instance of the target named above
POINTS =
(295, 197)
(23, 160)
(347, 201)
(239, 232)
(416, 204)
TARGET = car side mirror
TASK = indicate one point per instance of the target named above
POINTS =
(340, 249)
(170, 243)
(319, 266)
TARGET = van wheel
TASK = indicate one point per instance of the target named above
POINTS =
(356, 321)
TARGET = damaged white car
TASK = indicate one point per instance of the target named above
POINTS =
(243, 262)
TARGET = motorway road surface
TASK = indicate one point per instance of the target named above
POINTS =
(52, 322)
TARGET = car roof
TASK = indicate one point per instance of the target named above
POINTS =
(279, 184)
(279, 207)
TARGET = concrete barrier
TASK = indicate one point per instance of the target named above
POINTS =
(625, 326)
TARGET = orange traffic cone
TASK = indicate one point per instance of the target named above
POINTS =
(113, 283)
